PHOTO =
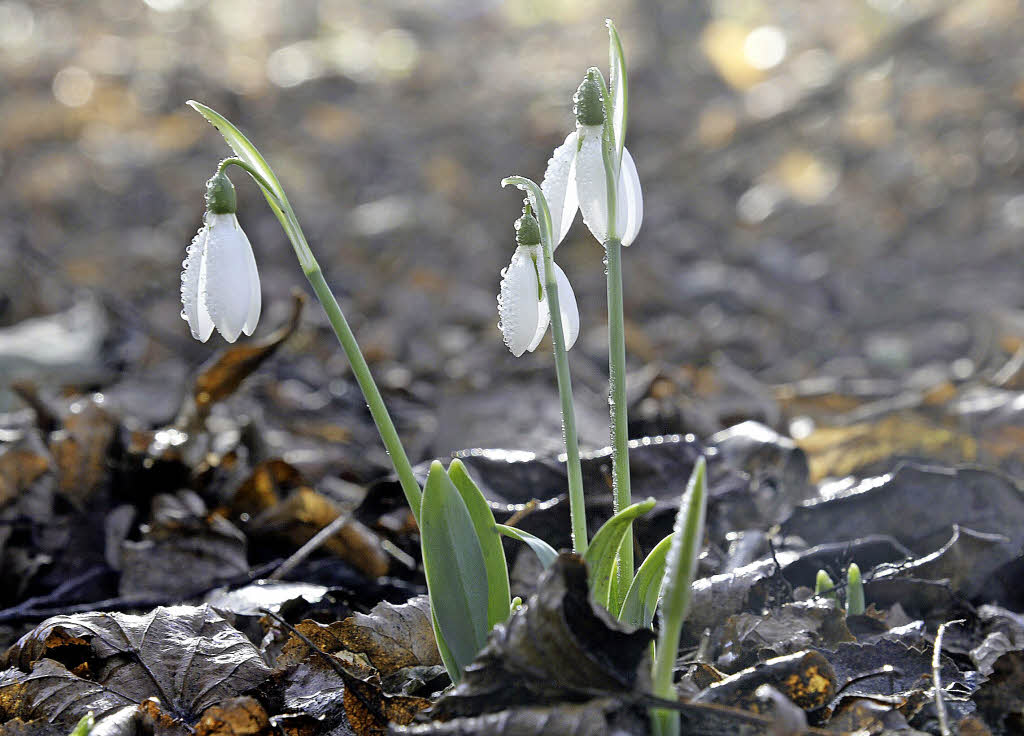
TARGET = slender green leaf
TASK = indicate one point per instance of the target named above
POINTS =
(542, 549)
(617, 81)
(455, 570)
(642, 597)
(498, 593)
(680, 568)
(604, 548)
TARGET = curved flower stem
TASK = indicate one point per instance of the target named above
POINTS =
(257, 177)
(577, 502)
(361, 371)
(252, 161)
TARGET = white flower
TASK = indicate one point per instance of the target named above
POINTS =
(220, 286)
(523, 309)
(575, 176)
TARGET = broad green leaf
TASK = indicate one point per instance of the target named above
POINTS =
(455, 570)
(642, 597)
(542, 549)
(604, 548)
(680, 568)
(619, 88)
(498, 593)
(446, 654)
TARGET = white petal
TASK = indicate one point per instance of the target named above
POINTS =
(567, 306)
(629, 202)
(518, 303)
(543, 320)
(228, 289)
(591, 185)
(559, 187)
(193, 311)
(255, 297)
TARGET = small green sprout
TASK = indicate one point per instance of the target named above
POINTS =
(854, 591)
(823, 585)
(84, 725)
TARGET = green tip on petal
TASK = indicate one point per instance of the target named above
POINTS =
(588, 103)
(220, 195)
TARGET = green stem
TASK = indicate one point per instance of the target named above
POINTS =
(617, 406)
(379, 412)
(577, 503)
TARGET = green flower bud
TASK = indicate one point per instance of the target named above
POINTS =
(587, 102)
(527, 229)
(220, 195)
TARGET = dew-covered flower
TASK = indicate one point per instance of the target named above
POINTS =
(220, 286)
(523, 303)
(576, 178)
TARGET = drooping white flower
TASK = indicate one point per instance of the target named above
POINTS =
(220, 286)
(523, 311)
(576, 178)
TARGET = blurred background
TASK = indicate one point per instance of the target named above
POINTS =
(832, 237)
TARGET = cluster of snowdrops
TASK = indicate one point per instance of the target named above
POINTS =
(463, 559)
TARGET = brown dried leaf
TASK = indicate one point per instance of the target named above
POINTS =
(262, 490)
(235, 717)
(806, 678)
(346, 693)
(188, 657)
(80, 450)
(305, 512)
(840, 451)
(22, 463)
(222, 375)
(393, 636)
(370, 711)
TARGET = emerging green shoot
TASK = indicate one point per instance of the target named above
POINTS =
(456, 572)
(680, 569)
(823, 585)
(854, 591)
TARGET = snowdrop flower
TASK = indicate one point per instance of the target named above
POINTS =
(523, 303)
(576, 178)
(220, 286)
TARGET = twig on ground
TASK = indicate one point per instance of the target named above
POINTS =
(317, 541)
(940, 707)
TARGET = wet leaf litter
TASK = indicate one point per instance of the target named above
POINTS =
(96, 515)
(200, 652)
